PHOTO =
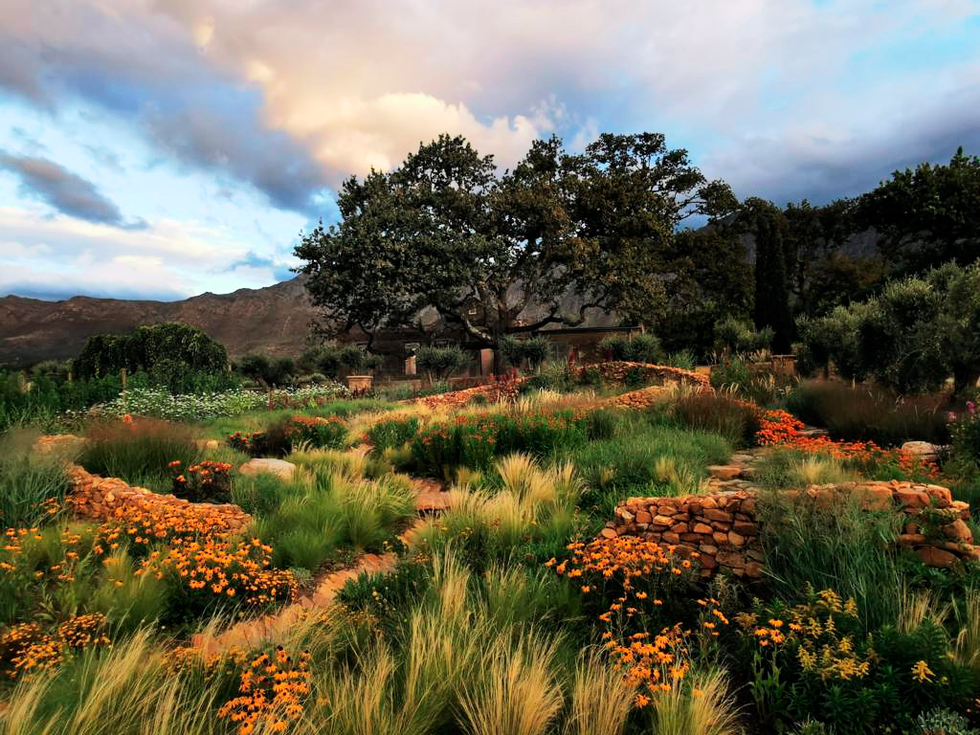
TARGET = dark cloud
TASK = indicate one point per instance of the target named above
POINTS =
(822, 170)
(67, 192)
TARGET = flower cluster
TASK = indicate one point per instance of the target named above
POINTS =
(782, 428)
(820, 635)
(635, 572)
(160, 403)
(26, 648)
(204, 481)
(272, 693)
(198, 545)
(964, 429)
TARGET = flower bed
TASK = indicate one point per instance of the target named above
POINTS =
(159, 403)
(280, 438)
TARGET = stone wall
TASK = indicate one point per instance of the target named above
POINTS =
(616, 372)
(724, 527)
(99, 498)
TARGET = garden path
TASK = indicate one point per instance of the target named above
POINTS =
(431, 499)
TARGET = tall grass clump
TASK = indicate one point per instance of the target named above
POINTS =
(718, 412)
(699, 705)
(28, 479)
(138, 452)
(810, 543)
(601, 698)
(870, 413)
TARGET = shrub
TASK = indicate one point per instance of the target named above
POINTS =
(139, 451)
(643, 348)
(738, 337)
(475, 441)
(736, 420)
(533, 350)
(280, 437)
(167, 349)
(869, 413)
(205, 482)
(441, 362)
(29, 480)
(269, 371)
(393, 433)
(965, 431)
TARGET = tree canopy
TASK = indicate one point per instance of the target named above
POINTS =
(166, 350)
(496, 253)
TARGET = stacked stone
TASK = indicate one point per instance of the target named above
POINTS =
(616, 372)
(639, 399)
(96, 498)
(721, 527)
(724, 527)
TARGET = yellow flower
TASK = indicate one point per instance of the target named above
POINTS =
(922, 672)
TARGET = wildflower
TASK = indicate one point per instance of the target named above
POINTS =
(922, 672)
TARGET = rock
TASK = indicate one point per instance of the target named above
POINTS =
(911, 539)
(643, 516)
(702, 528)
(278, 467)
(925, 451)
(718, 515)
(735, 539)
(933, 557)
(663, 521)
(724, 472)
(912, 499)
(670, 538)
(958, 531)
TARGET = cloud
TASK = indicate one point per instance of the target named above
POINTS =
(67, 192)
(168, 259)
(291, 97)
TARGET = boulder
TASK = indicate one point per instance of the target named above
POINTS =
(925, 451)
(267, 465)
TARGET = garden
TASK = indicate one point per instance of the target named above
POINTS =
(609, 548)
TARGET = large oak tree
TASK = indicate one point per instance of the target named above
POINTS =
(497, 253)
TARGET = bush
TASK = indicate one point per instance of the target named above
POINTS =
(475, 441)
(280, 437)
(869, 413)
(911, 337)
(440, 362)
(965, 431)
(643, 348)
(534, 350)
(139, 451)
(736, 420)
(270, 372)
(167, 350)
(393, 433)
(29, 480)
(737, 337)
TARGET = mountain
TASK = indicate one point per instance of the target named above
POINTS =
(274, 320)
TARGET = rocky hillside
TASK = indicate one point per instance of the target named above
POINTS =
(274, 320)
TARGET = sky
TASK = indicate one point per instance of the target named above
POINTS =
(164, 148)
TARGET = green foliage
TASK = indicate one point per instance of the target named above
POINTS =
(843, 547)
(911, 337)
(393, 432)
(928, 216)
(268, 371)
(869, 413)
(643, 348)
(719, 413)
(657, 459)
(28, 480)
(533, 350)
(165, 351)
(446, 222)
(771, 308)
(476, 441)
(740, 337)
(441, 362)
(140, 452)
(965, 431)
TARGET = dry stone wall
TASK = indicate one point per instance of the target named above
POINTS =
(99, 498)
(724, 527)
(616, 371)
